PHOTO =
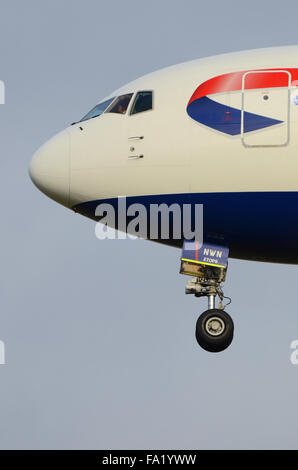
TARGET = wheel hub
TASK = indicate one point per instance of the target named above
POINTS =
(215, 326)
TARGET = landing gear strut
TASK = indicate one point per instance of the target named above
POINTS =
(208, 264)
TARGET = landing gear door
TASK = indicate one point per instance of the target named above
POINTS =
(265, 108)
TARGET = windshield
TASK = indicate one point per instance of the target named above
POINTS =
(142, 102)
(97, 110)
(121, 104)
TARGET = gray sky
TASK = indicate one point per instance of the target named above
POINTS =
(99, 335)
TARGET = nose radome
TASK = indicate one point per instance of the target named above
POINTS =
(50, 168)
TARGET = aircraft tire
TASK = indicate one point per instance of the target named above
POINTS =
(214, 330)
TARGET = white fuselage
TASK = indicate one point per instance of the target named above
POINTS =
(222, 131)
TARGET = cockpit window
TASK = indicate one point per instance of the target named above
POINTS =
(120, 105)
(142, 102)
(98, 109)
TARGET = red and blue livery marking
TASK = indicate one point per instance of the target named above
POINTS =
(226, 119)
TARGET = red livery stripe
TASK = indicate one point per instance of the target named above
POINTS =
(197, 250)
(233, 81)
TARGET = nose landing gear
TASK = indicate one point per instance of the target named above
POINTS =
(208, 264)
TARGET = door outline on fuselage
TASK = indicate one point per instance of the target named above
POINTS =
(283, 144)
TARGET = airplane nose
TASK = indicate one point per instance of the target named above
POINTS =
(50, 168)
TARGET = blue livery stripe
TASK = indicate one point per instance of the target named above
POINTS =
(226, 119)
(259, 226)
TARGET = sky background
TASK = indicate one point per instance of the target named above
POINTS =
(99, 335)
